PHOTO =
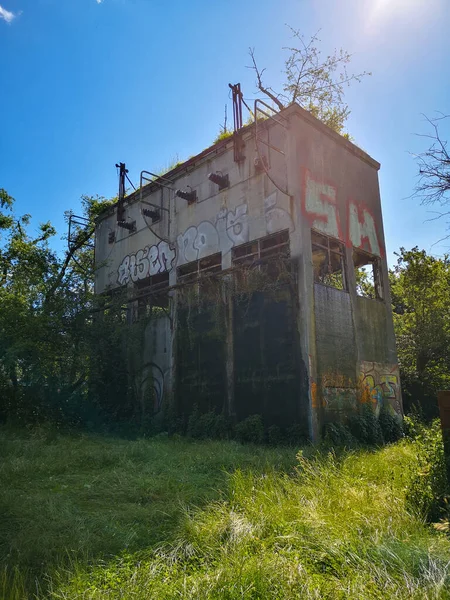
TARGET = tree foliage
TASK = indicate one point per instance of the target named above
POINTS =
(421, 303)
(312, 80)
(51, 341)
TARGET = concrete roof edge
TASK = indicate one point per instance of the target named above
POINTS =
(178, 170)
(294, 109)
(350, 146)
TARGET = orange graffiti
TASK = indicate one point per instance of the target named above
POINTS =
(338, 380)
(379, 383)
(314, 394)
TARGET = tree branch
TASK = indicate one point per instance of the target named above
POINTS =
(83, 238)
(260, 85)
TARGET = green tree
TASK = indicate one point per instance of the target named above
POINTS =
(46, 313)
(315, 82)
(421, 303)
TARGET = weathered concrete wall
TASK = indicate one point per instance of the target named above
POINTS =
(336, 355)
(340, 197)
(250, 208)
(309, 354)
(270, 375)
(157, 363)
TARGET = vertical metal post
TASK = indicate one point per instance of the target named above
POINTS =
(237, 118)
(122, 174)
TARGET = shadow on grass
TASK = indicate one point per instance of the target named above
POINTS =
(81, 498)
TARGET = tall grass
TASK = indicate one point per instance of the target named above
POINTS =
(318, 525)
(83, 498)
(337, 528)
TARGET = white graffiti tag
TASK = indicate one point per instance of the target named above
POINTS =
(230, 228)
(237, 225)
(320, 203)
(149, 261)
(277, 218)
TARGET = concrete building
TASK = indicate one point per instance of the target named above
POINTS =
(251, 257)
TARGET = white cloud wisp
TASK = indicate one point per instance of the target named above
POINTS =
(6, 15)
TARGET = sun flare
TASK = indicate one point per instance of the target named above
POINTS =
(382, 11)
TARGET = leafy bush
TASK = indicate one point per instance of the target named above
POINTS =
(250, 429)
(275, 435)
(365, 427)
(338, 434)
(428, 486)
(208, 425)
(411, 426)
(222, 427)
(391, 425)
(296, 435)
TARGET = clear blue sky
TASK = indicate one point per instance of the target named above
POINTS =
(88, 83)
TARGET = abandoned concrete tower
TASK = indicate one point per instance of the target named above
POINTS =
(262, 265)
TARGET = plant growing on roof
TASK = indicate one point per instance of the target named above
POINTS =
(315, 82)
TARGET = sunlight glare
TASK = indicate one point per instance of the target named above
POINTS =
(382, 11)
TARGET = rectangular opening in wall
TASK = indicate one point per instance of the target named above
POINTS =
(255, 252)
(188, 272)
(152, 293)
(115, 303)
(202, 273)
(196, 268)
(276, 244)
(368, 275)
(245, 253)
(210, 264)
(328, 261)
(268, 255)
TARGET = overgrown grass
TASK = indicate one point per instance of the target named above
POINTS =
(154, 524)
(81, 498)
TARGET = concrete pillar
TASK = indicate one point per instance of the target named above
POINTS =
(301, 252)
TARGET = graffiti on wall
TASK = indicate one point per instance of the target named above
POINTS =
(277, 219)
(148, 261)
(230, 228)
(320, 204)
(362, 232)
(338, 393)
(321, 208)
(341, 401)
(153, 381)
(380, 383)
(158, 386)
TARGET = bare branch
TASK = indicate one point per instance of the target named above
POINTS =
(260, 85)
(439, 215)
(434, 168)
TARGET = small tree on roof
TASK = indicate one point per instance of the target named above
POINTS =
(315, 82)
